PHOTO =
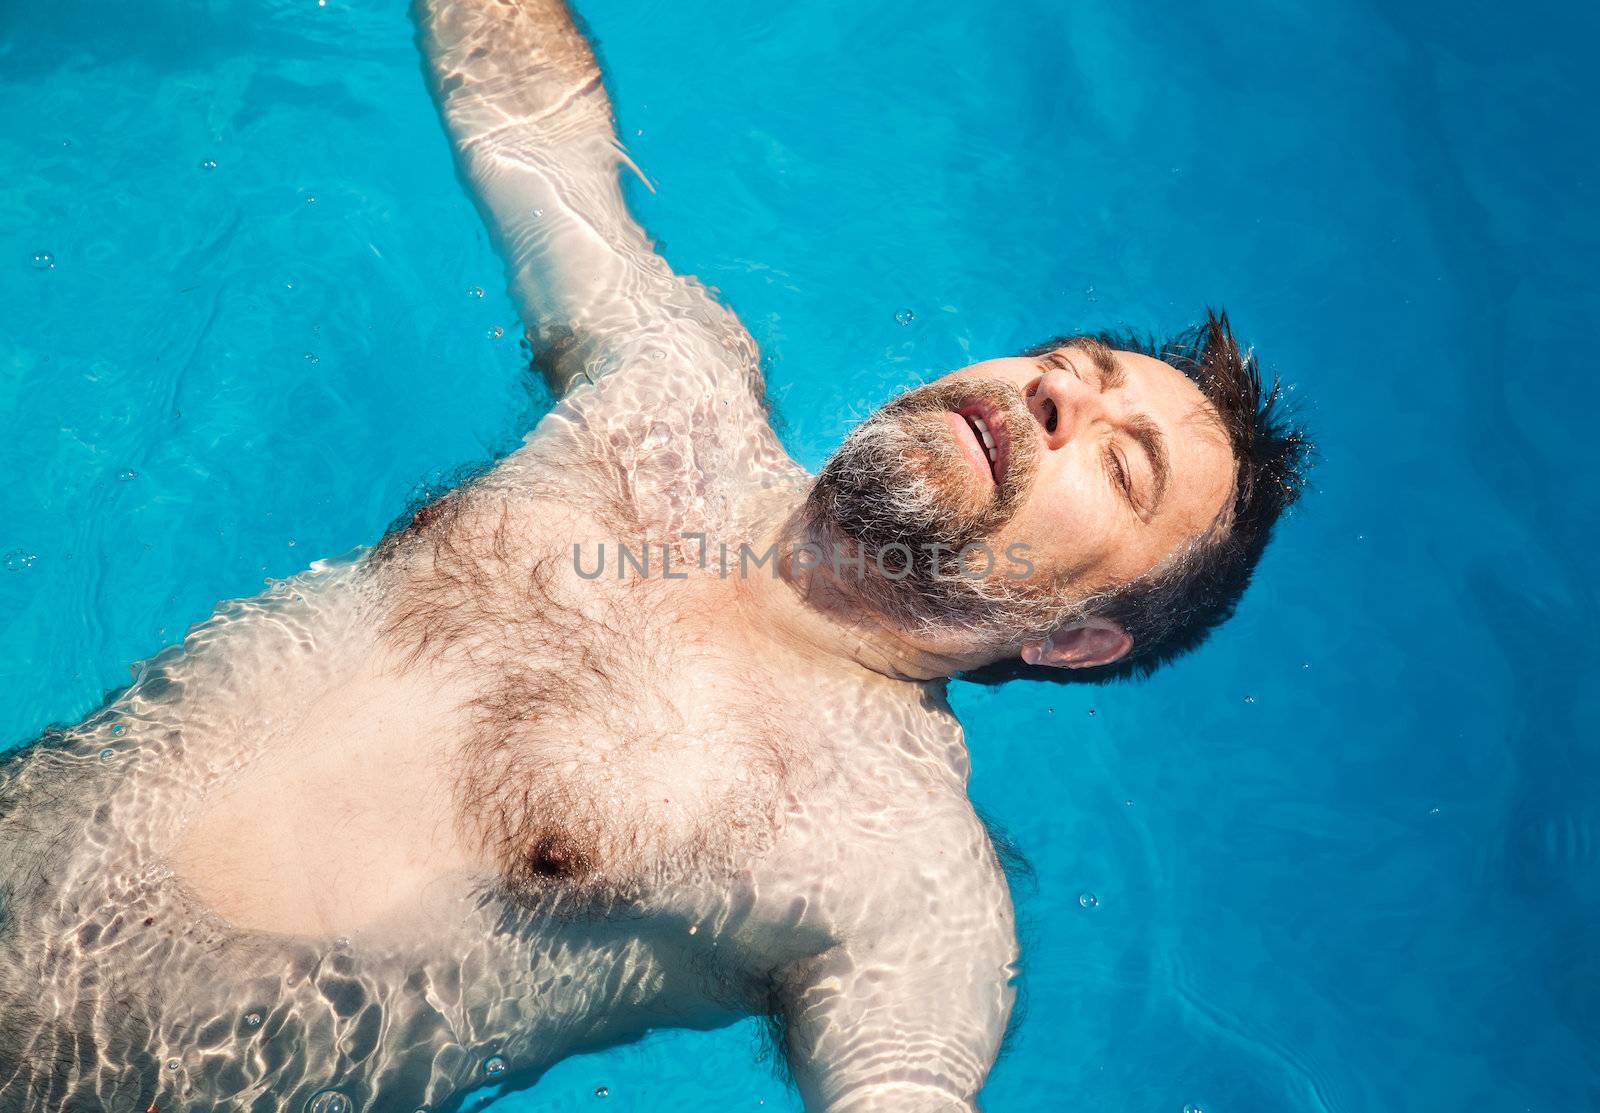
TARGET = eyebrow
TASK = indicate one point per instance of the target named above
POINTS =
(1105, 362)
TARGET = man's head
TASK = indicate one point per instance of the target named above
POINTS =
(1113, 497)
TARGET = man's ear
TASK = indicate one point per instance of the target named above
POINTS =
(1080, 645)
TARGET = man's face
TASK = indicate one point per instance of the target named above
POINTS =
(1102, 464)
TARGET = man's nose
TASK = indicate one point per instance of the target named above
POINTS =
(1063, 405)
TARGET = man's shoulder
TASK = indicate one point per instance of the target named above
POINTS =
(907, 748)
(934, 883)
(663, 459)
(910, 840)
(934, 853)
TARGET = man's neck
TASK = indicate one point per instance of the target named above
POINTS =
(817, 610)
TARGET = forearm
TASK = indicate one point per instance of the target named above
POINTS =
(527, 113)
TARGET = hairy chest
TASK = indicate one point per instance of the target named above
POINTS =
(623, 780)
(611, 744)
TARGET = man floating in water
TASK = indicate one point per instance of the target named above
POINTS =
(643, 728)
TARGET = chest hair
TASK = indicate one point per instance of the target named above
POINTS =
(605, 753)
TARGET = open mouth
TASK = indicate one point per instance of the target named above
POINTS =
(984, 438)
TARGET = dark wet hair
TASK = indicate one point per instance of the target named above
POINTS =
(1175, 607)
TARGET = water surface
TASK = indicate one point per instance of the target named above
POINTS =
(1345, 858)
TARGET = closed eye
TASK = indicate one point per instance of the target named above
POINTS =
(1117, 471)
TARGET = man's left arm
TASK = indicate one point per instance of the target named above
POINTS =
(678, 396)
(907, 1015)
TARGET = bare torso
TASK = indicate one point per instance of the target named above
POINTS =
(439, 816)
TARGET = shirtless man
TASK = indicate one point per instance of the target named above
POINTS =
(432, 820)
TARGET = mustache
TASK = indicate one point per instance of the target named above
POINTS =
(1002, 399)
(899, 478)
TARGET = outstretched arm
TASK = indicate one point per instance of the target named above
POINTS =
(527, 113)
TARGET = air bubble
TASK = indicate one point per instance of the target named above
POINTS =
(118, 728)
(173, 1064)
(311, 199)
(1192, 1108)
(17, 560)
(127, 475)
(252, 1020)
(209, 164)
(330, 1101)
(292, 542)
(312, 357)
(905, 316)
(44, 261)
(602, 1092)
(496, 333)
(107, 754)
(1088, 900)
(494, 1066)
(475, 292)
(1249, 699)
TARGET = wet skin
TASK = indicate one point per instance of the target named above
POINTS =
(442, 816)
(400, 822)
(1133, 464)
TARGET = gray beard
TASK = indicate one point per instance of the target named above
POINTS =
(897, 480)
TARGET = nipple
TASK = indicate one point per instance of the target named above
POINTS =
(554, 856)
(550, 858)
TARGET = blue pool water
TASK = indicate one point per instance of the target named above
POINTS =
(1346, 858)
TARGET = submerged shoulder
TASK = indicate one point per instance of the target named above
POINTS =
(936, 856)
(672, 419)
(923, 882)
(905, 744)
(912, 839)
